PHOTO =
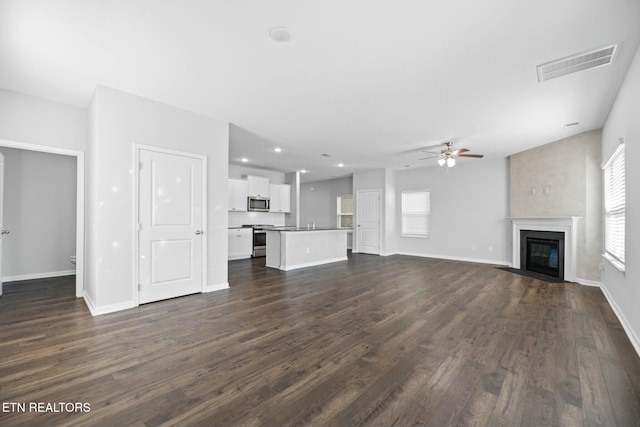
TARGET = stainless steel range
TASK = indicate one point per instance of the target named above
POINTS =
(259, 238)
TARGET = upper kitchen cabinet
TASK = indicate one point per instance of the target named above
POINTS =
(280, 197)
(258, 186)
(237, 195)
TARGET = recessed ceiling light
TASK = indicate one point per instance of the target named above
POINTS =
(244, 160)
(325, 155)
(303, 171)
(340, 165)
(280, 34)
(277, 149)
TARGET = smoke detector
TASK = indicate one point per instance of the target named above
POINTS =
(280, 35)
(578, 62)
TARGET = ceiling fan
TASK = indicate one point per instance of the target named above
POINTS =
(448, 155)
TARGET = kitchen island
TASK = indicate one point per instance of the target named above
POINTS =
(289, 248)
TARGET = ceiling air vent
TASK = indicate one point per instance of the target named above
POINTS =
(574, 63)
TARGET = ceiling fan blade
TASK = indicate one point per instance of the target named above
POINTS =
(428, 147)
(431, 152)
(430, 157)
(462, 150)
(476, 156)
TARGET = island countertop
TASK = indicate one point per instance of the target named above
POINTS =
(289, 248)
(307, 229)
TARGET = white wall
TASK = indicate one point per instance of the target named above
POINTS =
(32, 120)
(237, 219)
(119, 120)
(27, 121)
(469, 206)
(238, 171)
(40, 212)
(623, 289)
(293, 179)
(318, 200)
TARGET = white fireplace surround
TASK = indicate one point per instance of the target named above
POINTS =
(566, 225)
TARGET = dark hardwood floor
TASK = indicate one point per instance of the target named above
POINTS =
(382, 341)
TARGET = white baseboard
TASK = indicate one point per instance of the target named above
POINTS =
(233, 258)
(96, 311)
(216, 287)
(586, 282)
(476, 260)
(311, 264)
(635, 341)
(38, 275)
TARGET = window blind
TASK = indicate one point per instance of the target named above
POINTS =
(614, 205)
(416, 209)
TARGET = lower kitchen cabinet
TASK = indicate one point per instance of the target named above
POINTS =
(240, 243)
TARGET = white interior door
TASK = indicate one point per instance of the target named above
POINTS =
(2, 230)
(170, 219)
(368, 221)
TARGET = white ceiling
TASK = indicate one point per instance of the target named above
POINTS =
(369, 82)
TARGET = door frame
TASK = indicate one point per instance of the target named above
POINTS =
(136, 212)
(80, 206)
(356, 244)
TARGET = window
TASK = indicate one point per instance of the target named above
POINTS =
(614, 208)
(416, 208)
(345, 211)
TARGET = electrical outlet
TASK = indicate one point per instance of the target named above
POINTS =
(601, 266)
(473, 247)
(307, 250)
(490, 248)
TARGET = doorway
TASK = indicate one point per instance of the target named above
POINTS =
(368, 221)
(171, 216)
(79, 203)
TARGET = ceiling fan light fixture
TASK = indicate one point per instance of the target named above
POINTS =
(441, 161)
(451, 162)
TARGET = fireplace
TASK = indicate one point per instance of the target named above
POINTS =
(542, 252)
(565, 225)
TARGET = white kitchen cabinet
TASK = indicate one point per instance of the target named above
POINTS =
(237, 195)
(258, 186)
(240, 243)
(280, 197)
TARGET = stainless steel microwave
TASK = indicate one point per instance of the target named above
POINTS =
(258, 204)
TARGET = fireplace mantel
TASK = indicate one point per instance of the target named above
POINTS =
(565, 224)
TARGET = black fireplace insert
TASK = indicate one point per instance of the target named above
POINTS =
(542, 252)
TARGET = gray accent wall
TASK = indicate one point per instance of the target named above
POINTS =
(318, 201)
(564, 178)
(469, 205)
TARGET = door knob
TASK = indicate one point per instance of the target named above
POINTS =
(198, 232)
(5, 232)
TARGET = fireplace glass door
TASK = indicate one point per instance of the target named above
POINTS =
(542, 256)
(542, 252)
